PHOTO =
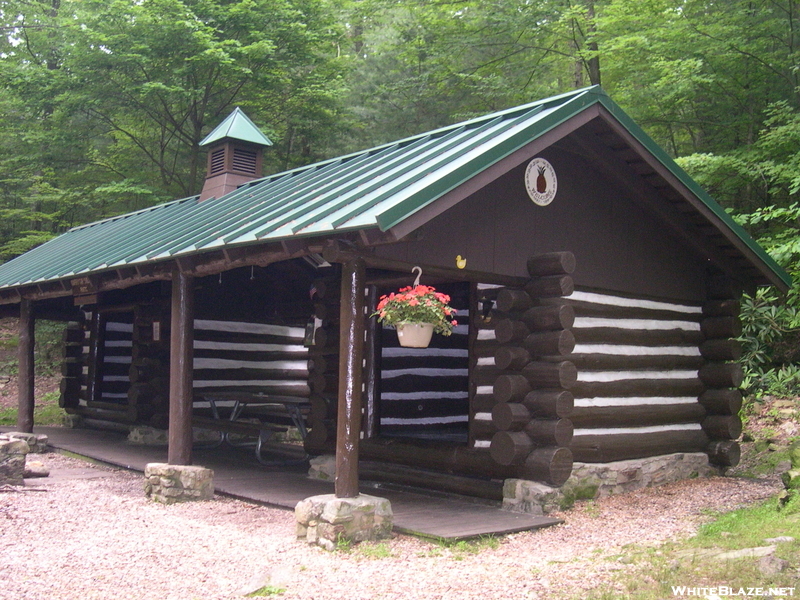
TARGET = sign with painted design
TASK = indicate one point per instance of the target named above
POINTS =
(541, 181)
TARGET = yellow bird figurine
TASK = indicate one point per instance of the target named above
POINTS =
(461, 263)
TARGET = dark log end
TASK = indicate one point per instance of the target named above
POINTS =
(722, 427)
(550, 403)
(551, 465)
(513, 300)
(510, 447)
(509, 357)
(551, 263)
(722, 375)
(510, 388)
(722, 402)
(508, 330)
(511, 416)
(724, 453)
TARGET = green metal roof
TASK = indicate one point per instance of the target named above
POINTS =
(237, 126)
(380, 188)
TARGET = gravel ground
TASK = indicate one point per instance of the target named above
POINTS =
(89, 538)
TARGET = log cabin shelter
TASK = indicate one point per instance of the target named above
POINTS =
(597, 288)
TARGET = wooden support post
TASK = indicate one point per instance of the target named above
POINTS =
(26, 364)
(351, 353)
(180, 370)
(372, 368)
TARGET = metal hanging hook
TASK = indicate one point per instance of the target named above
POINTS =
(418, 271)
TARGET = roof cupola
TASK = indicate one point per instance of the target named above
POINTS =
(235, 149)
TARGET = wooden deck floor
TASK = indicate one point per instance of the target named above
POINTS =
(238, 474)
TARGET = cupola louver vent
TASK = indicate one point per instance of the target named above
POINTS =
(217, 161)
(244, 161)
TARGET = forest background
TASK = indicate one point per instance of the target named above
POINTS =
(103, 102)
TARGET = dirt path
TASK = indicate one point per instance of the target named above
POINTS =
(92, 535)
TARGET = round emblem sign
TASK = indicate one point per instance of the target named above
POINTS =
(541, 181)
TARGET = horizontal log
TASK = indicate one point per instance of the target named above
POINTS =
(550, 465)
(69, 399)
(327, 289)
(142, 393)
(723, 427)
(458, 459)
(510, 416)
(638, 387)
(549, 318)
(121, 407)
(551, 263)
(511, 357)
(160, 384)
(275, 389)
(114, 416)
(243, 374)
(721, 349)
(511, 300)
(338, 253)
(638, 415)
(621, 362)
(72, 351)
(722, 375)
(549, 404)
(155, 350)
(722, 402)
(70, 385)
(321, 435)
(73, 335)
(637, 337)
(624, 446)
(483, 402)
(721, 327)
(507, 331)
(322, 382)
(513, 387)
(510, 447)
(72, 367)
(550, 287)
(322, 407)
(584, 308)
(541, 375)
(725, 453)
(482, 429)
(323, 364)
(722, 308)
(325, 337)
(550, 343)
(478, 487)
(550, 432)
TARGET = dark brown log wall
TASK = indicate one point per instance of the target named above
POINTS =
(522, 372)
(324, 366)
(640, 375)
(721, 374)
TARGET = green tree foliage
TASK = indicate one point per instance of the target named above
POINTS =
(421, 64)
(104, 103)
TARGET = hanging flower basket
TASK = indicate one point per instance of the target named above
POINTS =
(414, 335)
(417, 305)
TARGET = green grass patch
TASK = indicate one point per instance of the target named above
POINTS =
(267, 590)
(460, 549)
(656, 573)
(46, 412)
(375, 550)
